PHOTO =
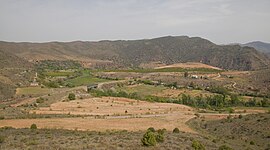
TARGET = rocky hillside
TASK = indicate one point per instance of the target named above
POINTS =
(132, 53)
(260, 46)
(14, 71)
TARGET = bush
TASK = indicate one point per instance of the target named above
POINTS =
(197, 145)
(149, 139)
(151, 129)
(33, 126)
(2, 139)
(71, 96)
(176, 130)
(224, 147)
(40, 100)
(251, 143)
(240, 116)
(160, 137)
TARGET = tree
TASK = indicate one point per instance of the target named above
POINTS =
(186, 74)
(71, 96)
(149, 139)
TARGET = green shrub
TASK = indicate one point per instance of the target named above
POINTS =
(2, 139)
(71, 96)
(160, 137)
(33, 126)
(2, 117)
(240, 116)
(40, 100)
(151, 129)
(197, 145)
(252, 143)
(224, 147)
(176, 130)
(149, 139)
(161, 131)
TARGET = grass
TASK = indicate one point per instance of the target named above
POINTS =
(32, 90)
(85, 79)
(57, 74)
(142, 89)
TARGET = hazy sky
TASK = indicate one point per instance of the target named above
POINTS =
(221, 21)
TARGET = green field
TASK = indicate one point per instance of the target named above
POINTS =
(85, 80)
(32, 91)
(57, 74)
(143, 89)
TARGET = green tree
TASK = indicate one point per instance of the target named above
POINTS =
(186, 74)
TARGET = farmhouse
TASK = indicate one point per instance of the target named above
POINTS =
(194, 77)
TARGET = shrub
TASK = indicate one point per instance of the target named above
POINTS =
(33, 126)
(40, 100)
(149, 139)
(2, 117)
(176, 130)
(161, 131)
(252, 143)
(2, 139)
(151, 129)
(240, 116)
(224, 147)
(197, 145)
(71, 96)
(160, 137)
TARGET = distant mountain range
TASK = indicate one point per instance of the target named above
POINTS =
(133, 53)
(260, 46)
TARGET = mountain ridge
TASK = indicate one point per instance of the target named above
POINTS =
(132, 53)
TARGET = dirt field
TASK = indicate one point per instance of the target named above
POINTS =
(176, 93)
(116, 113)
(189, 65)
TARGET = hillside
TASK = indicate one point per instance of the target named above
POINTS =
(8, 60)
(260, 46)
(167, 50)
(14, 71)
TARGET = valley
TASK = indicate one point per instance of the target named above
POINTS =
(104, 101)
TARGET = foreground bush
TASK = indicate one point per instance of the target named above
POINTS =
(152, 137)
(197, 145)
(2, 139)
(33, 126)
(224, 147)
(149, 139)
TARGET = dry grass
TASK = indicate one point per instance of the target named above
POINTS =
(189, 65)
(116, 113)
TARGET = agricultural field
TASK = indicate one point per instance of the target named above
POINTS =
(127, 103)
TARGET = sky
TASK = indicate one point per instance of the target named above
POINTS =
(220, 21)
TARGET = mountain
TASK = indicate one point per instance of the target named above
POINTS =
(9, 60)
(133, 53)
(260, 46)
